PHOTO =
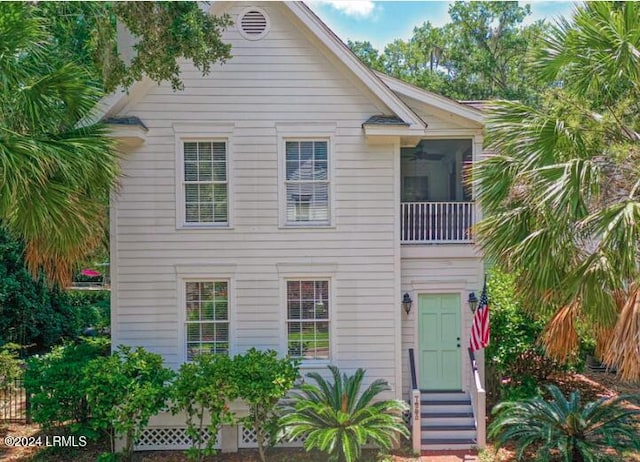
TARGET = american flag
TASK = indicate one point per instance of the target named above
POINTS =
(480, 329)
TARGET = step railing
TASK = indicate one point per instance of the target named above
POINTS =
(478, 402)
(436, 222)
(416, 423)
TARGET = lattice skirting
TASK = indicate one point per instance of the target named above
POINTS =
(165, 438)
(247, 439)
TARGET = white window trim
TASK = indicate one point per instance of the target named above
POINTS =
(293, 132)
(182, 312)
(284, 337)
(194, 133)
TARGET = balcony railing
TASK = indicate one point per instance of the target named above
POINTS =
(436, 222)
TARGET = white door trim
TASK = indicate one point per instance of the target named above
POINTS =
(456, 286)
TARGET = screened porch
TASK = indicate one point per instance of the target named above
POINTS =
(436, 201)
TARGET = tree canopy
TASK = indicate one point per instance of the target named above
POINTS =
(56, 61)
(562, 194)
(480, 54)
(86, 33)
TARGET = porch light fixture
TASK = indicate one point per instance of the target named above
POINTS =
(473, 302)
(407, 302)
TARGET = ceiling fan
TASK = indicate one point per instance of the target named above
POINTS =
(421, 153)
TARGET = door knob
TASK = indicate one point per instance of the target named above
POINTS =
(458, 339)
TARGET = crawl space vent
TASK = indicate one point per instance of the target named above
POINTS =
(254, 24)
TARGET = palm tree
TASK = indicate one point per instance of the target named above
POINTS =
(562, 194)
(578, 432)
(338, 419)
(55, 173)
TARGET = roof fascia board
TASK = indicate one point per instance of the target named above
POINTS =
(386, 130)
(432, 99)
(366, 76)
(115, 102)
(128, 136)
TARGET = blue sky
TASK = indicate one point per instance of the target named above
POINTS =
(380, 22)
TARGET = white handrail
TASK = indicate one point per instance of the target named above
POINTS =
(435, 222)
(416, 412)
(478, 402)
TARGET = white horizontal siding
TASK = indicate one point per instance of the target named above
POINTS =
(437, 275)
(281, 79)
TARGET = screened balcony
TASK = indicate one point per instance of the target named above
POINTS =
(436, 202)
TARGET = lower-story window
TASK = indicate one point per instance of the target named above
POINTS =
(207, 317)
(308, 319)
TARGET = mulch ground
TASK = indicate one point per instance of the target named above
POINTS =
(592, 386)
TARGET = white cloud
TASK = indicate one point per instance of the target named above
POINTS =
(361, 8)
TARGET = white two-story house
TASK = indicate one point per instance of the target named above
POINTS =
(291, 200)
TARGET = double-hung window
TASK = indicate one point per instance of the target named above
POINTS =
(207, 317)
(307, 182)
(308, 319)
(205, 183)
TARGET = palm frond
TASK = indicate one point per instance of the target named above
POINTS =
(624, 348)
(559, 337)
(338, 418)
(564, 424)
(55, 178)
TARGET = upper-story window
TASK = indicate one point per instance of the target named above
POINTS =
(307, 182)
(205, 183)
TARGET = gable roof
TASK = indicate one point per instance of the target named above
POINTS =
(384, 120)
(112, 104)
(366, 75)
(386, 88)
(466, 111)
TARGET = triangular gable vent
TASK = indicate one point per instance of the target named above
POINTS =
(254, 24)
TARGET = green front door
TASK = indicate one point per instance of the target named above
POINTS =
(439, 338)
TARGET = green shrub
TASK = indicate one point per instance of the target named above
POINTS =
(124, 391)
(37, 315)
(27, 316)
(10, 364)
(262, 381)
(10, 370)
(589, 432)
(513, 331)
(56, 379)
(513, 337)
(338, 419)
(204, 386)
(92, 307)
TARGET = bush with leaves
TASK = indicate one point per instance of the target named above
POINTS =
(337, 418)
(37, 315)
(93, 307)
(513, 334)
(579, 432)
(27, 316)
(263, 380)
(10, 370)
(10, 364)
(204, 386)
(513, 331)
(56, 383)
(124, 391)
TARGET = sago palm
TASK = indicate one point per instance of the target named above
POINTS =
(338, 418)
(597, 431)
(561, 195)
(55, 172)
